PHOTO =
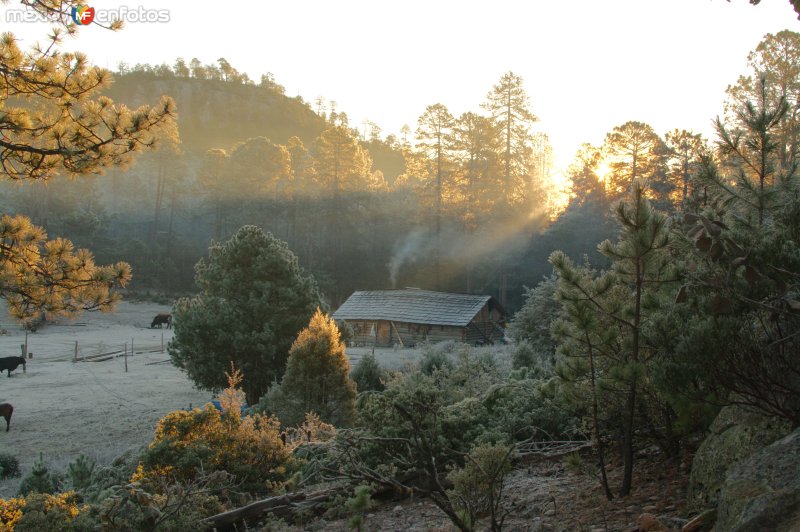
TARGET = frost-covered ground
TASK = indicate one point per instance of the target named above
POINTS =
(64, 408)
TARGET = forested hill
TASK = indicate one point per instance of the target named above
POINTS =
(219, 113)
(216, 113)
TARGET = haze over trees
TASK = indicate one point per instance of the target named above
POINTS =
(360, 211)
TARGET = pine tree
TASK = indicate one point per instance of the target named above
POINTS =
(254, 299)
(509, 107)
(634, 155)
(53, 121)
(590, 337)
(316, 378)
(685, 149)
(51, 276)
(775, 63)
(434, 136)
(741, 283)
(342, 170)
(625, 297)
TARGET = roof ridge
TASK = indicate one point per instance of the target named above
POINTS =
(413, 306)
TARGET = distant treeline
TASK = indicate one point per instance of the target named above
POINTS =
(462, 203)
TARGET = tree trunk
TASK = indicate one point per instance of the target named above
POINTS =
(627, 442)
(595, 424)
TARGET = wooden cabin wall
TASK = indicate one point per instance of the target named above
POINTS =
(412, 334)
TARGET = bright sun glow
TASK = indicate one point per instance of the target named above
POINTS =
(602, 171)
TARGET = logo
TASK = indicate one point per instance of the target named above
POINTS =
(82, 15)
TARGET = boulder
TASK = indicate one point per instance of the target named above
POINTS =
(763, 491)
(736, 433)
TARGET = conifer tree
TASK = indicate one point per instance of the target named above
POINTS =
(626, 296)
(509, 107)
(316, 378)
(635, 154)
(255, 298)
(775, 63)
(741, 283)
(435, 137)
(342, 168)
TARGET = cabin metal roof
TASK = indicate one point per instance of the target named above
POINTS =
(412, 306)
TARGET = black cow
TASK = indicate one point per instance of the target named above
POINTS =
(5, 411)
(11, 363)
(162, 319)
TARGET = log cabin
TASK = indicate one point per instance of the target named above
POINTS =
(409, 316)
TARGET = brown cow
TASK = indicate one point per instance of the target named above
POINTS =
(161, 319)
(6, 410)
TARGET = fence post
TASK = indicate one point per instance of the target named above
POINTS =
(162, 341)
(126, 357)
(75, 358)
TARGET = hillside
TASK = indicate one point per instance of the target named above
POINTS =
(218, 114)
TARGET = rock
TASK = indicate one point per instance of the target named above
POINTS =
(650, 523)
(736, 433)
(763, 491)
(702, 522)
(650, 508)
(397, 510)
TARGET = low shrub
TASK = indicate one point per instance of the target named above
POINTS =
(206, 440)
(9, 466)
(40, 479)
(368, 375)
(43, 511)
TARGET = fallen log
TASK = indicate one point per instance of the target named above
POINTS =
(279, 506)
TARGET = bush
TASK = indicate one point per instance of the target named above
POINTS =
(531, 325)
(434, 359)
(104, 479)
(345, 331)
(478, 486)
(206, 440)
(40, 479)
(9, 466)
(421, 420)
(80, 472)
(43, 511)
(574, 463)
(368, 375)
(358, 506)
(160, 503)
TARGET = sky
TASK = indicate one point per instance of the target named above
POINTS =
(588, 65)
